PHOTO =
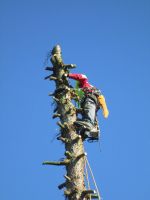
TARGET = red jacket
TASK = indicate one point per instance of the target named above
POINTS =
(83, 80)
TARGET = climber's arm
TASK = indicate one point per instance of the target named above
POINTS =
(103, 105)
(78, 77)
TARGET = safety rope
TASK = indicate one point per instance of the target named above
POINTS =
(87, 177)
(97, 190)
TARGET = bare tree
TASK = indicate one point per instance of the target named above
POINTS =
(65, 110)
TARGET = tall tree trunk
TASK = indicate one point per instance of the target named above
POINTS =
(74, 150)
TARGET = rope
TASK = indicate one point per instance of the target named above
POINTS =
(86, 173)
(99, 145)
(93, 178)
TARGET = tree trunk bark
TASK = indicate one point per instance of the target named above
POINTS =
(74, 150)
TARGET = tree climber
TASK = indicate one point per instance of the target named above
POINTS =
(91, 101)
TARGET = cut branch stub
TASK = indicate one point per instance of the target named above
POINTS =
(47, 77)
(61, 125)
(69, 155)
(56, 99)
(49, 68)
(64, 162)
(51, 94)
(61, 186)
(67, 178)
(53, 78)
(65, 140)
(56, 115)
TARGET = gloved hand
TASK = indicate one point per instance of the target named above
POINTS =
(102, 102)
(65, 75)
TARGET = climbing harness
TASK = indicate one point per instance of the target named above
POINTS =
(87, 164)
(92, 93)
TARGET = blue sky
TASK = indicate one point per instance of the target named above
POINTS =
(110, 43)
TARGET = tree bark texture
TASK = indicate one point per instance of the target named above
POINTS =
(74, 161)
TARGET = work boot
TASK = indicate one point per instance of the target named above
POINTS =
(90, 135)
(94, 133)
(84, 124)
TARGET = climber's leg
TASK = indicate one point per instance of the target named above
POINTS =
(88, 116)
